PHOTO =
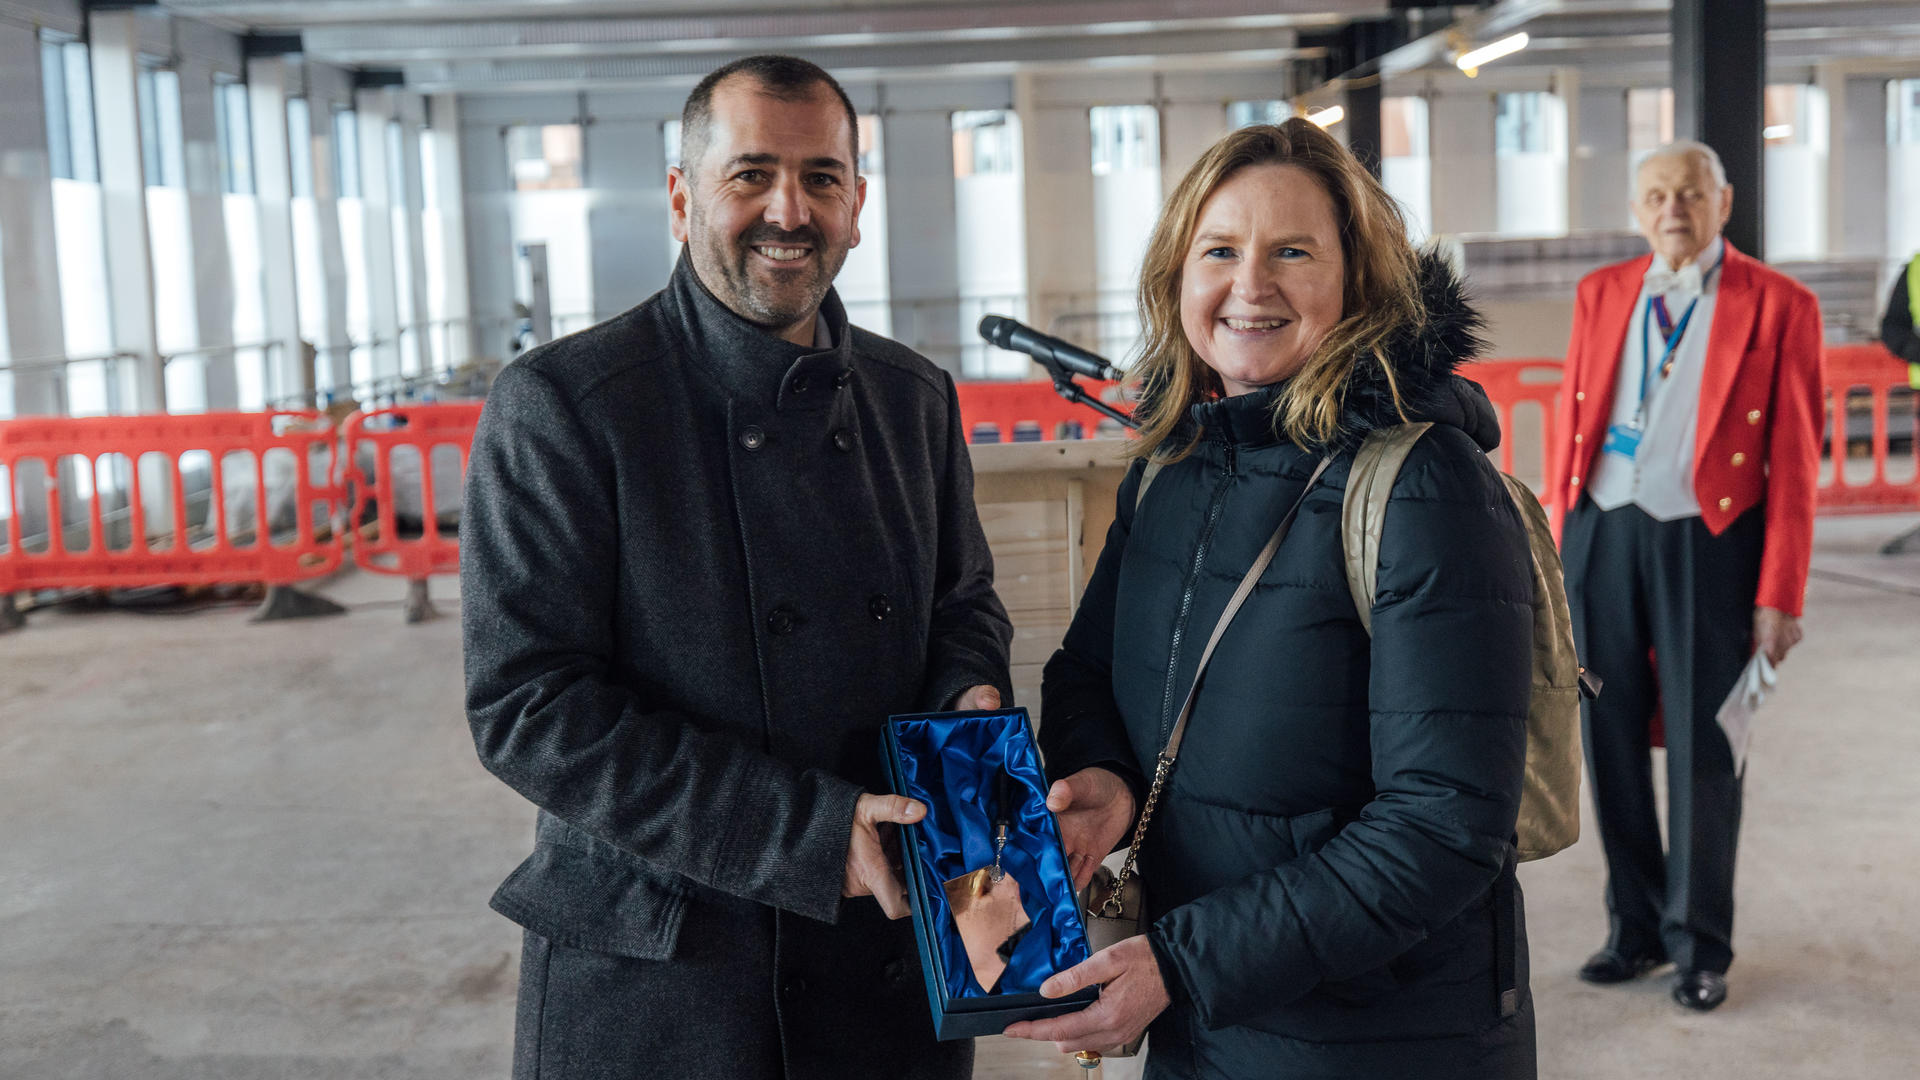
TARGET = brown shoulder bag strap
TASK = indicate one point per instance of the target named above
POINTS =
(1164, 765)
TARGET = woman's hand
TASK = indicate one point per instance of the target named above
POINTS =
(1132, 994)
(1095, 809)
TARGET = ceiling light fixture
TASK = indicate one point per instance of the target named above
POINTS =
(1471, 62)
(1778, 131)
(1328, 116)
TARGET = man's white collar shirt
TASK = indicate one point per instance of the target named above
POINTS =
(1659, 477)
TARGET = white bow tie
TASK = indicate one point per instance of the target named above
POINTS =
(1686, 281)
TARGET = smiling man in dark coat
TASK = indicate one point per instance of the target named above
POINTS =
(710, 545)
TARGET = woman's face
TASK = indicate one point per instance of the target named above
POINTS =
(1264, 277)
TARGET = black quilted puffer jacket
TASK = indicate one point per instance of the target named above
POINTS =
(1330, 871)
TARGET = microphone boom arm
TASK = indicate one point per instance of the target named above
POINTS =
(1064, 385)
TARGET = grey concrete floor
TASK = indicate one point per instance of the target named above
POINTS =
(243, 852)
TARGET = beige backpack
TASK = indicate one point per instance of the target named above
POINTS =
(1550, 798)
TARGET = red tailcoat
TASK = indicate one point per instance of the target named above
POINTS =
(1762, 407)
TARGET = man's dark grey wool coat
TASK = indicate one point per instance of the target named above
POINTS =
(700, 566)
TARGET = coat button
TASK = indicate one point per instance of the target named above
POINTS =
(843, 440)
(1575, 481)
(1739, 459)
(753, 438)
(1579, 395)
(879, 607)
(841, 380)
(1578, 439)
(800, 384)
(1726, 504)
(793, 989)
(781, 621)
(1753, 417)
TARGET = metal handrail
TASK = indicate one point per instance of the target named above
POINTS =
(43, 363)
(215, 350)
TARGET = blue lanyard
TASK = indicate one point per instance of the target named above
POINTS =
(1656, 305)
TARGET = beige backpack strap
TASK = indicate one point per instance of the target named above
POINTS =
(1154, 465)
(1363, 514)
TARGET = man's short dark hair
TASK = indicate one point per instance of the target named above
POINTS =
(787, 78)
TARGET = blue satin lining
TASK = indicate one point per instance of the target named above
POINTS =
(949, 763)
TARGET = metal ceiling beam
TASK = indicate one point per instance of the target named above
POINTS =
(647, 37)
(316, 13)
(1270, 48)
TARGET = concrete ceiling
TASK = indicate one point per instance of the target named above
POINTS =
(510, 46)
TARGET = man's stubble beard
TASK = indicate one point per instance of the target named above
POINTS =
(721, 262)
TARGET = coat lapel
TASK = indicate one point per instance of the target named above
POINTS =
(1734, 311)
(1613, 316)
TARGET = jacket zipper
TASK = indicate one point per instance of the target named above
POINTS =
(1186, 596)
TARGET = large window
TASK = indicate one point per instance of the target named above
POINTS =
(1248, 113)
(433, 233)
(1521, 124)
(548, 157)
(233, 137)
(985, 142)
(1649, 120)
(163, 149)
(1406, 166)
(1126, 138)
(1530, 163)
(400, 210)
(1126, 200)
(351, 211)
(93, 387)
(300, 147)
(1795, 163)
(1903, 112)
(176, 319)
(1903, 166)
(346, 154)
(309, 269)
(550, 207)
(990, 225)
(255, 378)
(67, 87)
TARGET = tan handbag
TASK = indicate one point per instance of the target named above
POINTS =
(1114, 905)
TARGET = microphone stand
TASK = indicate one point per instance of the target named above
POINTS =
(1064, 385)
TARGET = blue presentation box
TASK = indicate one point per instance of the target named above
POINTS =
(930, 756)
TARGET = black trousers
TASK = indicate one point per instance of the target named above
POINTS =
(1638, 586)
(714, 1010)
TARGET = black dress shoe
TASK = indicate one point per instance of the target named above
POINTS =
(1701, 991)
(1608, 966)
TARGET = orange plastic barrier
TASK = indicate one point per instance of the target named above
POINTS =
(165, 543)
(1511, 382)
(1007, 405)
(424, 428)
(1851, 368)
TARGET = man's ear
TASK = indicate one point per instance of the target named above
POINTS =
(859, 203)
(1726, 205)
(679, 202)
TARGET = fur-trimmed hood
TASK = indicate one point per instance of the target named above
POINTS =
(1425, 358)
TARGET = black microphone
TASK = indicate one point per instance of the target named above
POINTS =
(1056, 355)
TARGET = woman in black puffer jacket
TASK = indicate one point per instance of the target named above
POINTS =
(1330, 868)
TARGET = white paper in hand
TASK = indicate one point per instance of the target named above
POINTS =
(1757, 680)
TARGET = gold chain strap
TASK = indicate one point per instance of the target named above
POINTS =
(1111, 907)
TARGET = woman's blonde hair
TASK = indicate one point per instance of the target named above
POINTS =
(1381, 295)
